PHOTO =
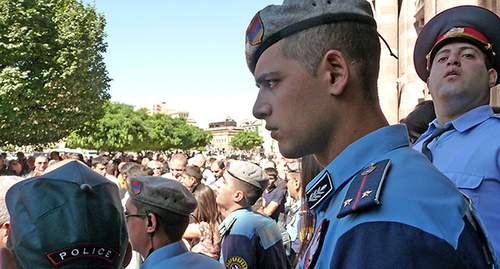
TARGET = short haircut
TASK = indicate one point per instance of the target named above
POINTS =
(99, 160)
(252, 193)
(193, 171)
(220, 164)
(173, 225)
(362, 51)
(179, 156)
(5, 183)
(271, 171)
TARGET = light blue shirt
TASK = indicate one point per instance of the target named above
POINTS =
(177, 255)
(419, 223)
(470, 156)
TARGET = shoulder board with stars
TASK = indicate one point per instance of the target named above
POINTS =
(321, 189)
(365, 188)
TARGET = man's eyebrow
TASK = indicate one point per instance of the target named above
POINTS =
(262, 78)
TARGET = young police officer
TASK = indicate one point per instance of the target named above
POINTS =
(458, 54)
(379, 204)
(157, 215)
(249, 239)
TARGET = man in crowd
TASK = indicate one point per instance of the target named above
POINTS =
(177, 164)
(157, 215)
(41, 163)
(99, 165)
(156, 166)
(249, 240)
(5, 183)
(218, 167)
(316, 64)
(200, 161)
(273, 203)
(191, 177)
(458, 54)
(73, 220)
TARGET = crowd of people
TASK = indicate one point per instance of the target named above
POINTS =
(352, 191)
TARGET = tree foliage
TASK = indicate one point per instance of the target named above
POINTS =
(52, 75)
(123, 129)
(246, 140)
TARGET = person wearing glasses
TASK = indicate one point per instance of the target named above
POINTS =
(157, 214)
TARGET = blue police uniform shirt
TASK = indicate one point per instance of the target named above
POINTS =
(296, 225)
(177, 255)
(418, 223)
(469, 155)
(251, 240)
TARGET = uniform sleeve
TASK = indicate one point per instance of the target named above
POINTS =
(239, 250)
(396, 245)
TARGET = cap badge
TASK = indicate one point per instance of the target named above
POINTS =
(135, 186)
(255, 31)
(453, 31)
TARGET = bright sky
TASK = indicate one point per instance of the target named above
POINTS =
(189, 54)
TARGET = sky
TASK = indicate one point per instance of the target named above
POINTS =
(189, 54)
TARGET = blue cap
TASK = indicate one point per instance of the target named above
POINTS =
(471, 24)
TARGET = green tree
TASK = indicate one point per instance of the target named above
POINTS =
(246, 140)
(174, 133)
(52, 75)
(121, 129)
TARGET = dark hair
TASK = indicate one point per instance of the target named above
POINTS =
(310, 169)
(361, 50)
(193, 171)
(252, 193)
(270, 171)
(99, 160)
(207, 210)
(173, 225)
(418, 120)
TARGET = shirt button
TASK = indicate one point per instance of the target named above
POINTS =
(321, 214)
(440, 145)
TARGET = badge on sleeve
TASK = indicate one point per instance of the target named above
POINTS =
(236, 262)
(314, 249)
(364, 191)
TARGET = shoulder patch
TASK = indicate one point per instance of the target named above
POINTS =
(319, 191)
(236, 262)
(269, 234)
(365, 188)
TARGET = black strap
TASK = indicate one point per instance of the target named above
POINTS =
(436, 133)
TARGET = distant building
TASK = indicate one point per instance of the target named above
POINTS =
(269, 145)
(162, 108)
(223, 132)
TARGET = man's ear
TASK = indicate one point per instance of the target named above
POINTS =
(152, 223)
(336, 70)
(4, 232)
(238, 196)
(492, 77)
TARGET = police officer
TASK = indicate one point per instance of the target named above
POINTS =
(249, 239)
(458, 54)
(69, 217)
(379, 204)
(157, 215)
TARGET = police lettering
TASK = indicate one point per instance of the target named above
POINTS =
(83, 251)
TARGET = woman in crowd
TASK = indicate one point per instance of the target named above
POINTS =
(203, 234)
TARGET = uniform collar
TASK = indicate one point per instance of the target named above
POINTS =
(166, 252)
(361, 153)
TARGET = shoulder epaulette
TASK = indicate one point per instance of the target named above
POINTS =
(365, 188)
(225, 228)
(269, 234)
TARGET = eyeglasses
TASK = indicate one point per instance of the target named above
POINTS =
(135, 215)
